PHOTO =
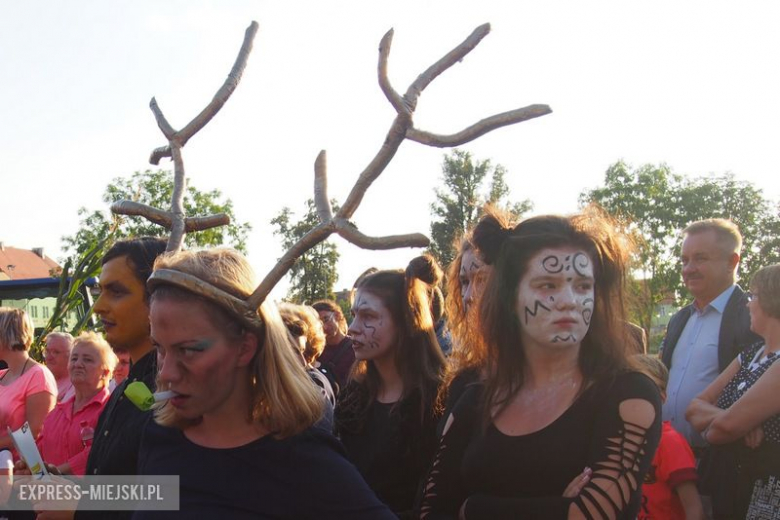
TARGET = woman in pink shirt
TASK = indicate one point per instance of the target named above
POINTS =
(67, 432)
(28, 390)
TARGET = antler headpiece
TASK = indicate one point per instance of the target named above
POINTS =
(402, 128)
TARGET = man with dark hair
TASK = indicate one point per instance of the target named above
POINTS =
(123, 309)
(705, 336)
(338, 356)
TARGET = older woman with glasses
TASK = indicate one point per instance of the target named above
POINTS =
(739, 415)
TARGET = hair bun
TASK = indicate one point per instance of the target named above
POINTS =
(424, 268)
(488, 237)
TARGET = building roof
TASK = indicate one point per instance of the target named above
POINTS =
(21, 264)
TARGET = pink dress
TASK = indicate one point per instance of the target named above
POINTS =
(13, 398)
(60, 439)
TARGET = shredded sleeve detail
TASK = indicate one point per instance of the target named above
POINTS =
(623, 432)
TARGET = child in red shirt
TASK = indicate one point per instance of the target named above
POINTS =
(669, 490)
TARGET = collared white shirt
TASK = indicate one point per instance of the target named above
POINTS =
(694, 364)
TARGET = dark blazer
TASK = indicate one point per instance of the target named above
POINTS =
(734, 336)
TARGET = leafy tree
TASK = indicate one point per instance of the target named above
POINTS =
(654, 205)
(72, 297)
(459, 205)
(155, 189)
(313, 275)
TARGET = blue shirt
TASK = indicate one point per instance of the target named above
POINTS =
(694, 364)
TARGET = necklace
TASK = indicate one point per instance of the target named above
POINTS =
(20, 373)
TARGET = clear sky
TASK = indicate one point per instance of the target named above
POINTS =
(691, 84)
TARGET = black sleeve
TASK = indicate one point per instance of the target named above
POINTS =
(443, 491)
(627, 430)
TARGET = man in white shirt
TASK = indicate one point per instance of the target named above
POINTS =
(705, 336)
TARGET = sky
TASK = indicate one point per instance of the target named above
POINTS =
(694, 85)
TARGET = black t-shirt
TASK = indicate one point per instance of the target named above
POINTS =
(458, 386)
(300, 477)
(118, 432)
(525, 476)
(390, 446)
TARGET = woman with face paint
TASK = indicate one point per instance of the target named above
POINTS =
(386, 416)
(558, 394)
(464, 282)
(239, 427)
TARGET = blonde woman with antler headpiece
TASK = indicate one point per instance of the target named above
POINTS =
(234, 364)
(239, 429)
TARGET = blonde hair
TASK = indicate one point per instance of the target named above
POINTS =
(652, 367)
(284, 400)
(303, 321)
(16, 329)
(726, 232)
(107, 356)
(766, 283)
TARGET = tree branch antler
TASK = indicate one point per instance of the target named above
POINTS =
(401, 128)
(175, 219)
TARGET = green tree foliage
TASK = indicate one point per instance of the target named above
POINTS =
(72, 294)
(654, 205)
(313, 275)
(155, 188)
(459, 205)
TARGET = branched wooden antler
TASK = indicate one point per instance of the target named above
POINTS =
(402, 128)
(175, 219)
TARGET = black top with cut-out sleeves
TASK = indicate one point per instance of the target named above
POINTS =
(524, 476)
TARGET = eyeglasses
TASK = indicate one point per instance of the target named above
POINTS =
(328, 318)
(751, 296)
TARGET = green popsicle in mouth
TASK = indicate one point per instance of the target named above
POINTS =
(140, 395)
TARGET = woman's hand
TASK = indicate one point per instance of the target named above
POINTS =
(579, 482)
(20, 468)
(754, 437)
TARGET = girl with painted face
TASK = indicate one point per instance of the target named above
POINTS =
(239, 428)
(386, 416)
(558, 394)
(465, 281)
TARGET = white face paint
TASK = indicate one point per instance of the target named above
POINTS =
(471, 277)
(372, 329)
(555, 298)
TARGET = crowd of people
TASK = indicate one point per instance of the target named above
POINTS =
(521, 390)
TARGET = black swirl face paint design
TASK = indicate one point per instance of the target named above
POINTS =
(559, 281)
(587, 312)
(552, 264)
(577, 262)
